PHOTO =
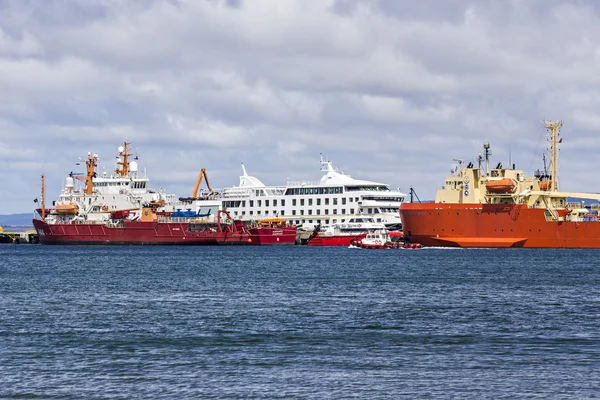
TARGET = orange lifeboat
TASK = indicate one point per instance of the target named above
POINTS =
(545, 185)
(67, 209)
(505, 185)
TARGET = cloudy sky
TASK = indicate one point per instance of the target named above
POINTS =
(389, 90)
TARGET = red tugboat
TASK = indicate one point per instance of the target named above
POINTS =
(501, 207)
(121, 209)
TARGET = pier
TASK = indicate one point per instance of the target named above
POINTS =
(29, 236)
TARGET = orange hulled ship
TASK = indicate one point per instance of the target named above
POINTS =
(482, 207)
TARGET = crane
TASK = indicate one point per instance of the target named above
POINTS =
(199, 180)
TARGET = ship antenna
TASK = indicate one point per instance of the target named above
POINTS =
(488, 153)
(553, 128)
(545, 166)
(244, 170)
(460, 163)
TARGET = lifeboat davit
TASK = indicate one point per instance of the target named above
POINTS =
(67, 209)
(545, 185)
(505, 185)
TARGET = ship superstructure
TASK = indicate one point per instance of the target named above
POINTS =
(121, 208)
(479, 206)
(335, 197)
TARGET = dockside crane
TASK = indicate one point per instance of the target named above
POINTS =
(201, 175)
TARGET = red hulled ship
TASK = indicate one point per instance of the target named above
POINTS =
(483, 207)
(145, 232)
(121, 209)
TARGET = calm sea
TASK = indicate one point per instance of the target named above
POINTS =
(298, 322)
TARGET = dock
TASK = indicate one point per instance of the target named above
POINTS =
(29, 236)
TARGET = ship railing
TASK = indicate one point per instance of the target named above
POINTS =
(303, 183)
(198, 220)
(236, 193)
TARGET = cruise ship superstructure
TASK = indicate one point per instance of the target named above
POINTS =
(333, 199)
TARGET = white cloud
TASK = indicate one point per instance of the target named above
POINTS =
(391, 90)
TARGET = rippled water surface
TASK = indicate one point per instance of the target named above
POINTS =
(298, 322)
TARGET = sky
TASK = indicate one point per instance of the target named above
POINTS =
(388, 90)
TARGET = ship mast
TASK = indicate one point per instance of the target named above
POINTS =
(91, 163)
(123, 152)
(43, 198)
(553, 129)
(488, 153)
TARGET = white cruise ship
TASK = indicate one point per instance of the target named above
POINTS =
(331, 200)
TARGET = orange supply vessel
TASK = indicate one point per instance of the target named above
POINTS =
(482, 207)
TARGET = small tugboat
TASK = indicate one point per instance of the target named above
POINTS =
(345, 231)
(381, 239)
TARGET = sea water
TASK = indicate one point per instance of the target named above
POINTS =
(298, 322)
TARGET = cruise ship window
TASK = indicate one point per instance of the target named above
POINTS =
(274, 202)
(327, 201)
(370, 211)
(243, 203)
(283, 203)
(352, 211)
(318, 202)
(309, 212)
(334, 211)
(335, 201)
(310, 202)
(301, 202)
(258, 212)
(343, 211)
(281, 213)
(243, 212)
(293, 212)
(326, 211)
(344, 200)
(350, 199)
(251, 203)
(251, 212)
(266, 203)
(356, 199)
(301, 212)
(258, 202)
(318, 212)
(267, 212)
(293, 202)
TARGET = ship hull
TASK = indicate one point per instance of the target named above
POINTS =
(336, 240)
(493, 225)
(273, 236)
(134, 233)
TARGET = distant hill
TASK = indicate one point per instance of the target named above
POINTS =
(16, 220)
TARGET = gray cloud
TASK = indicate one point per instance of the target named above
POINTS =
(391, 91)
